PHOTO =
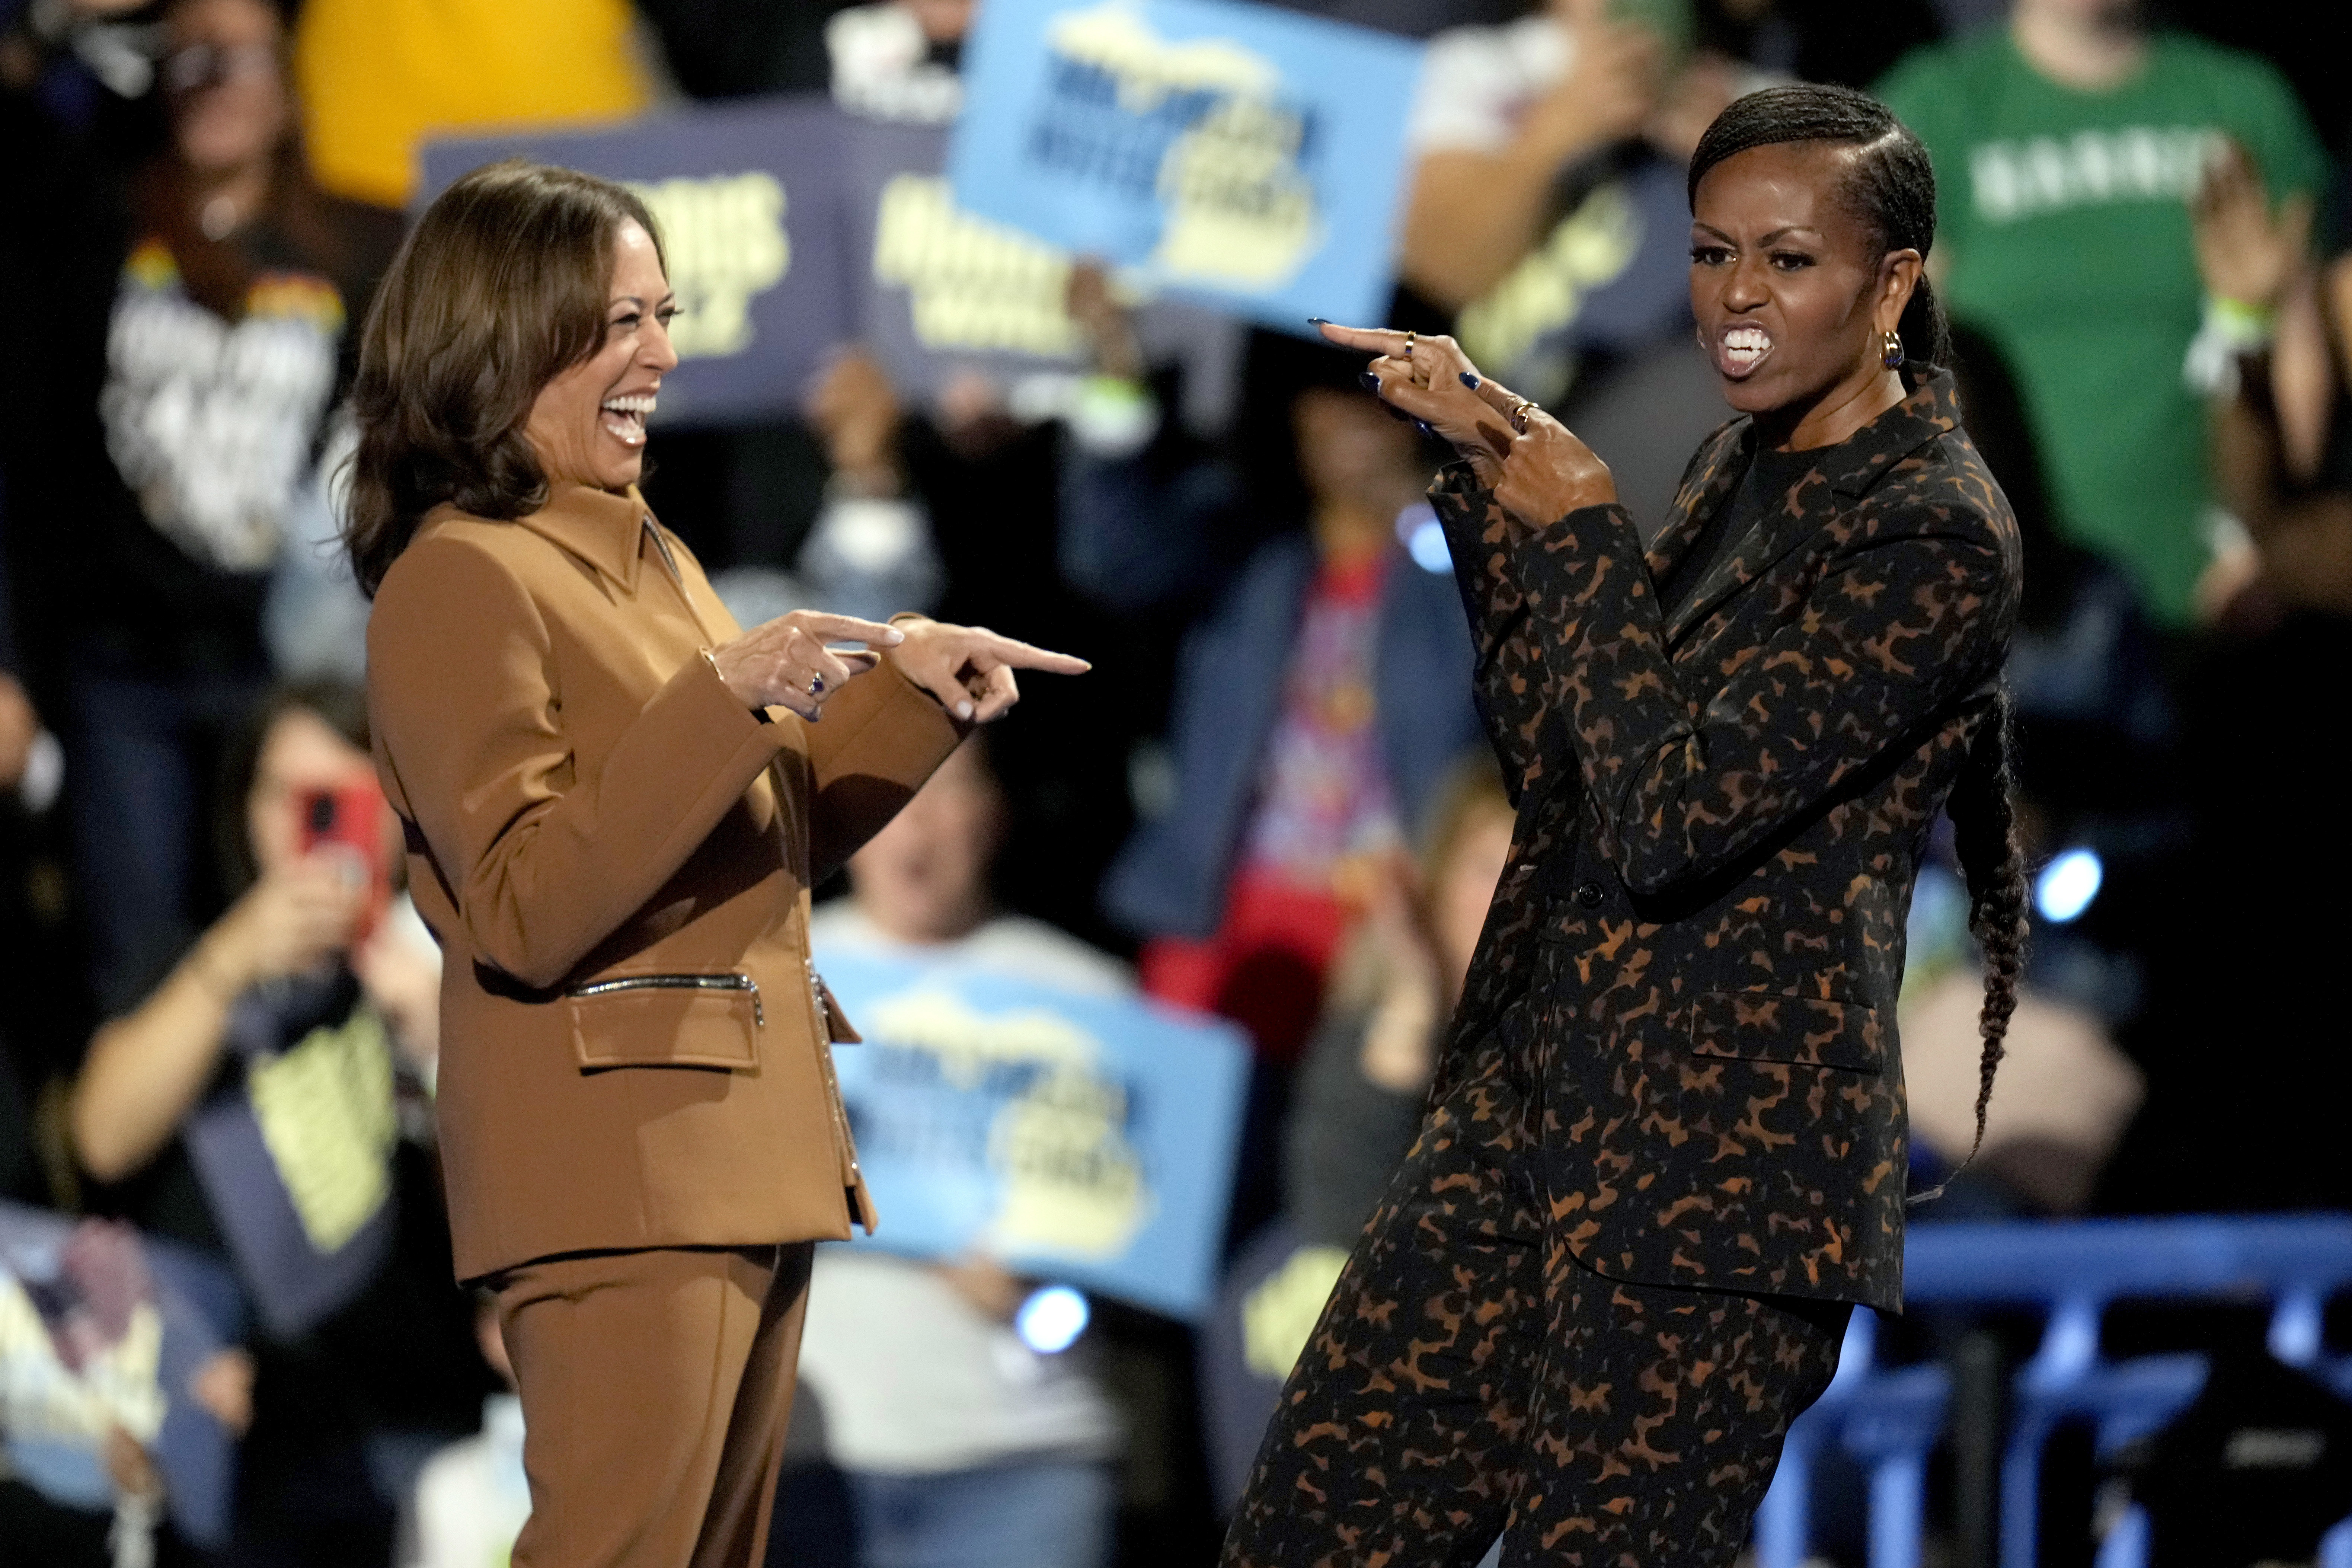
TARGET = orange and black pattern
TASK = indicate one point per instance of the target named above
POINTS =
(1666, 1144)
(1721, 816)
(1470, 1378)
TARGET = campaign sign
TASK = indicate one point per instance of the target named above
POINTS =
(745, 195)
(101, 1329)
(939, 289)
(1084, 1139)
(1235, 152)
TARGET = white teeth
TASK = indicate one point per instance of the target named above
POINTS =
(1745, 345)
(637, 405)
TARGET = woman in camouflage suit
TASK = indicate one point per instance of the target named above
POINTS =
(1665, 1151)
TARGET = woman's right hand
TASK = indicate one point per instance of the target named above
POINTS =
(787, 663)
(288, 923)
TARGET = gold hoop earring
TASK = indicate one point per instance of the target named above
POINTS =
(1891, 350)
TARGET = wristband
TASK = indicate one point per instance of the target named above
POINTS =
(2230, 328)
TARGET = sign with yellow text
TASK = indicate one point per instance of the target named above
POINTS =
(1248, 156)
(1085, 1139)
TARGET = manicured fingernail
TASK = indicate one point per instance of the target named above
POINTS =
(1371, 383)
(1424, 427)
(1469, 381)
(1317, 321)
(964, 709)
(893, 638)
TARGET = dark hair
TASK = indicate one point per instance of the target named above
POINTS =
(337, 704)
(1891, 186)
(1984, 838)
(502, 286)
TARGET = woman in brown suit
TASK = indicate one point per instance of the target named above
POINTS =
(615, 803)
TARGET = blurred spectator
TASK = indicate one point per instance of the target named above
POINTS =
(1320, 697)
(246, 1107)
(964, 1447)
(1367, 1075)
(1361, 1101)
(2260, 711)
(378, 77)
(472, 1498)
(202, 326)
(870, 552)
(899, 61)
(2076, 133)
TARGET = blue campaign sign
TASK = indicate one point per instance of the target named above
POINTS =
(1084, 1139)
(1245, 155)
(747, 195)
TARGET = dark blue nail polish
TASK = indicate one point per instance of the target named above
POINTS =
(1372, 383)
(1425, 427)
(1317, 321)
(1469, 381)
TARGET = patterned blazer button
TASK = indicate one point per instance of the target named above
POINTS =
(1591, 895)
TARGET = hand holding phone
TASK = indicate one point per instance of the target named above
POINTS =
(349, 822)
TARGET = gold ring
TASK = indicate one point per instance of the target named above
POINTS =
(1518, 414)
(1410, 338)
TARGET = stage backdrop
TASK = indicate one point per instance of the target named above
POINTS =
(1081, 1139)
(1248, 156)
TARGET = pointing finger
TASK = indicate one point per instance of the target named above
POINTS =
(1365, 340)
(1022, 656)
(849, 628)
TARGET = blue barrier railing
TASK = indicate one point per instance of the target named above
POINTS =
(1890, 1418)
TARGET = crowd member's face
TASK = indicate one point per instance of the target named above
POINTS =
(1465, 886)
(924, 879)
(226, 82)
(300, 755)
(1789, 297)
(1352, 449)
(588, 425)
(2084, 13)
(942, 21)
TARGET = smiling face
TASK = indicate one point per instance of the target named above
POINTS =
(1791, 297)
(587, 426)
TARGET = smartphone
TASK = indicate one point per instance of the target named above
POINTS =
(1675, 22)
(349, 821)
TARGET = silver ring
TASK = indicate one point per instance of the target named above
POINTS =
(816, 686)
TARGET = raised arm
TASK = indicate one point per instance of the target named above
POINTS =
(544, 860)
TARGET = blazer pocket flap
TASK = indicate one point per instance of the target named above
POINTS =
(1768, 1026)
(665, 1025)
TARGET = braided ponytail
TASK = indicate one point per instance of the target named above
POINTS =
(1984, 824)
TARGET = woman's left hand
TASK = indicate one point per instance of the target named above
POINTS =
(1550, 472)
(970, 669)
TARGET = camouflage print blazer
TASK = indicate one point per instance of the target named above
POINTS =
(1698, 941)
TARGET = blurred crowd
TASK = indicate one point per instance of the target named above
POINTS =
(1271, 801)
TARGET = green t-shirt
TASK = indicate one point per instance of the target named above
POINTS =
(2063, 224)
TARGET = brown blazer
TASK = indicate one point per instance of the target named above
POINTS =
(616, 856)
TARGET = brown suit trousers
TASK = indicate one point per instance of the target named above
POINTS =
(656, 1386)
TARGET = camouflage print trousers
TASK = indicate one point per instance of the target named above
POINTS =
(1470, 1378)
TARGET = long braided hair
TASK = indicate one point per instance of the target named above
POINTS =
(1891, 187)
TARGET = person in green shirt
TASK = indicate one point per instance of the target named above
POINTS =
(2068, 146)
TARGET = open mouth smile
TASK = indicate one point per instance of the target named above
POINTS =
(624, 417)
